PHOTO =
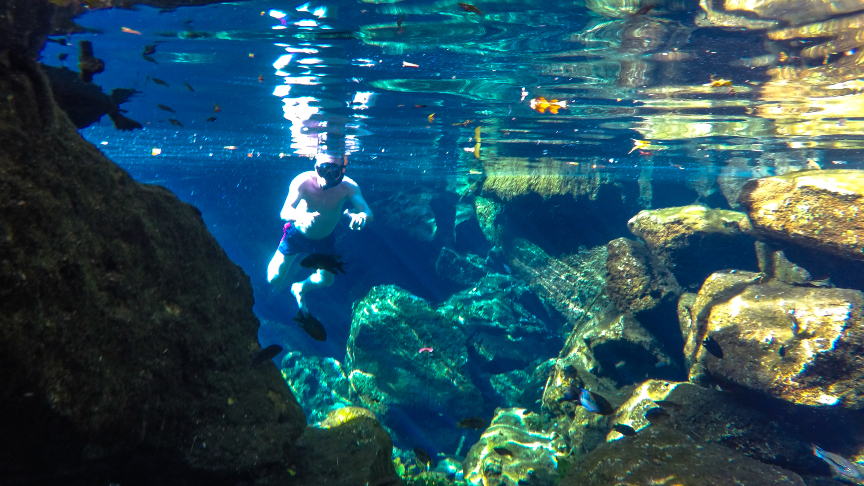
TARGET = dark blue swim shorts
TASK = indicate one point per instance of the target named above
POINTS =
(294, 242)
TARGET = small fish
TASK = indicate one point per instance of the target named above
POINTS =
(149, 49)
(595, 403)
(470, 8)
(260, 78)
(410, 64)
(175, 121)
(319, 261)
(216, 108)
(422, 455)
(149, 59)
(503, 451)
(656, 415)
(399, 22)
(462, 124)
(311, 326)
(188, 87)
(712, 346)
(840, 466)
(266, 354)
(212, 118)
(166, 108)
(160, 82)
(624, 430)
(130, 31)
(472, 423)
(419, 106)
(540, 105)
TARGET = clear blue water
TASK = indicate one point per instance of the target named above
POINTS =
(334, 78)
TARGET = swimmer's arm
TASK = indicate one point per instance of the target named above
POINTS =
(289, 210)
(360, 207)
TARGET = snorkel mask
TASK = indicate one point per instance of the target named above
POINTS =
(331, 172)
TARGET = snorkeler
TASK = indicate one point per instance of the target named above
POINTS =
(312, 211)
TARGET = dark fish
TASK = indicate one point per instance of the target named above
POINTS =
(656, 415)
(188, 87)
(399, 22)
(212, 118)
(311, 326)
(624, 430)
(782, 351)
(166, 108)
(595, 403)
(713, 347)
(175, 121)
(470, 8)
(422, 455)
(643, 10)
(159, 81)
(149, 49)
(503, 451)
(842, 467)
(320, 261)
(150, 59)
(472, 423)
(266, 354)
(669, 405)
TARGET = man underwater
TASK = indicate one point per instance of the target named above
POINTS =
(312, 211)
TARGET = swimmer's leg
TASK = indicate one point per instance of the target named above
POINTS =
(278, 267)
(318, 280)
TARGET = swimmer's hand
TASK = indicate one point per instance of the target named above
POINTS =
(304, 220)
(358, 221)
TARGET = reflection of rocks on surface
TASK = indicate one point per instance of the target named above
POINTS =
(408, 213)
(319, 384)
(823, 210)
(694, 241)
(348, 448)
(656, 455)
(526, 454)
(636, 279)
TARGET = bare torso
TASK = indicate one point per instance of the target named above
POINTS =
(327, 203)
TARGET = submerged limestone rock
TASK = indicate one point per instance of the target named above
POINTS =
(817, 209)
(463, 270)
(514, 450)
(348, 448)
(407, 213)
(799, 344)
(662, 455)
(319, 384)
(637, 280)
(694, 241)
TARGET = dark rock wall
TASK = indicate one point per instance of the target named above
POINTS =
(125, 332)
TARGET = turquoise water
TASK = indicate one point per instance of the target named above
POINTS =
(671, 98)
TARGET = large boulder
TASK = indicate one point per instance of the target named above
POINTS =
(636, 280)
(126, 333)
(817, 209)
(320, 384)
(694, 241)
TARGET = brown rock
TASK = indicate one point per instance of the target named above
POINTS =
(636, 280)
(816, 209)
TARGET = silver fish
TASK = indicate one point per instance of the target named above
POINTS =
(842, 467)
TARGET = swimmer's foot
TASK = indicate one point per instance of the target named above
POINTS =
(297, 290)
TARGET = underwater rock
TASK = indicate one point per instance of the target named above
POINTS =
(490, 218)
(798, 344)
(463, 270)
(389, 328)
(407, 213)
(823, 210)
(319, 384)
(694, 241)
(658, 454)
(636, 279)
(512, 177)
(348, 448)
(138, 364)
(85, 103)
(514, 450)
(518, 388)
(735, 174)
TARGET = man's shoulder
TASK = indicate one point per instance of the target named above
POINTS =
(303, 177)
(350, 184)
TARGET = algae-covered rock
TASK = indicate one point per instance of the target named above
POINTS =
(514, 450)
(389, 328)
(799, 344)
(347, 448)
(636, 279)
(694, 241)
(319, 384)
(490, 218)
(461, 269)
(817, 209)
(662, 455)
(407, 213)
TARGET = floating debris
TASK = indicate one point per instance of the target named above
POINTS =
(311, 326)
(470, 8)
(472, 423)
(319, 261)
(410, 64)
(216, 108)
(130, 31)
(266, 354)
(540, 105)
